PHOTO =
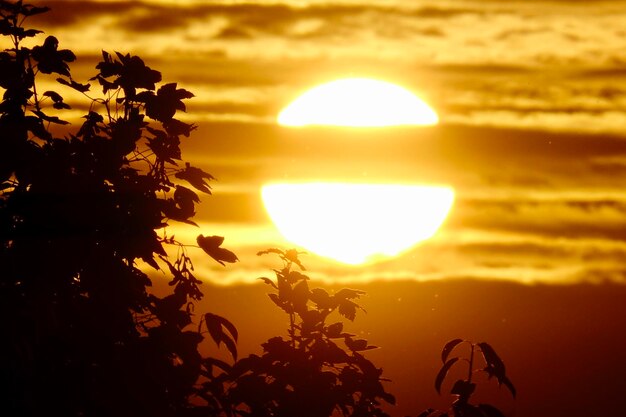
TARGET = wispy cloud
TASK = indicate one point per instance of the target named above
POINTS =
(531, 96)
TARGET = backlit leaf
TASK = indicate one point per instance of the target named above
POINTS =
(196, 177)
(443, 372)
(492, 359)
(348, 294)
(83, 88)
(334, 330)
(448, 348)
(507, 383)
(463, 388)
(211, 245)
(268, 281)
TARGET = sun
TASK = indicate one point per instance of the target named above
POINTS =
(356, 223)
(358, 102)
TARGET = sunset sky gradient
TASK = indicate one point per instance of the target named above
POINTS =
(531, 97)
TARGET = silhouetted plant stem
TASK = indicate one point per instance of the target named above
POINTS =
(470, 370)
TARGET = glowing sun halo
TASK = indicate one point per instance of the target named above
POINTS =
(355, 223)
(358, 102)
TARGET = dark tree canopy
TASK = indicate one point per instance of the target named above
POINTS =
(82, 220)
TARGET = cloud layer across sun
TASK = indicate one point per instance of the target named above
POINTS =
(531, 98)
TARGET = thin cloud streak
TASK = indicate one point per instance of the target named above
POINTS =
(530, 94)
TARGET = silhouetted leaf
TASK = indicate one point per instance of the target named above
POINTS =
(348, 309)
(358, 345)
(270, 250)
(295, 276)
(334, 330)
(355, 345)
(448, 348)
(51, 119)
(443, 372)
(30, 10)
(163, 105)
(83, 88)
(322, 299)
(213, 362)
(277, 348)
(175, 127)
(185, 198)
(300, 295)
(268, 281)
(463, 388)
(216, 325)
(211, 245)
(292, 255)
(53, 95)
(280, 303)
(61, 105)
(196, 177)
(35, 125)
(507, 383)
(493, 360)
(50, 59)
(348, 294)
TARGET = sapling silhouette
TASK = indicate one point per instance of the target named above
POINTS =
(82, 218)
(308, 374)
(463, 389)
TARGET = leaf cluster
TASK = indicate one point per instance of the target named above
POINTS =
(319, 369)
(83, 217)
(463, 389)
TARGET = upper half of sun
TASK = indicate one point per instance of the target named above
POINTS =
(358, 102)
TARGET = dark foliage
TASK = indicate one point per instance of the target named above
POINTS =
(463, 389)
(319, 369)
(82, 220)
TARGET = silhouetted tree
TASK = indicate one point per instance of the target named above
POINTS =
(463, 389)
(309, 374)
(82, 219)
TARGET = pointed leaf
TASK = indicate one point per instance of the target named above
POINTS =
(348, 294)
(492, 359)
(507, 383)
(230, 327)
(268, 281)
(443, 372)
(211, 245)
(448, 348)
(196, 177)
(56, 97)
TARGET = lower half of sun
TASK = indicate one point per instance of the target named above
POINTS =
(355, 223)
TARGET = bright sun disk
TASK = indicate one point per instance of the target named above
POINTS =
(358, 102)
(355, 223)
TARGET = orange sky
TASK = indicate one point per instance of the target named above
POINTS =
(531, 96)
(532, 101)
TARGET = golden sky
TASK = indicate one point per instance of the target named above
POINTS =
(532, 101)
(531, 97)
